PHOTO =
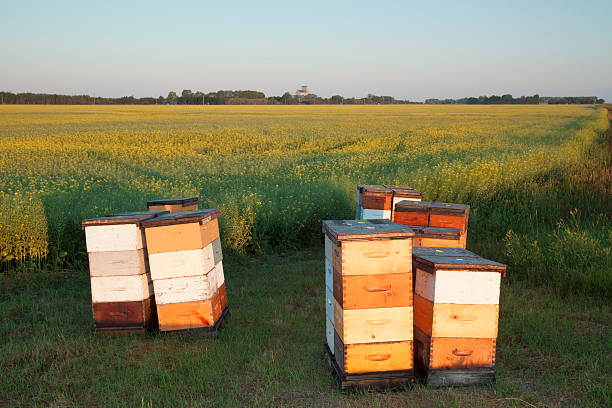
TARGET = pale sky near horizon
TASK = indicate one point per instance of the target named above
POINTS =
(409, 50)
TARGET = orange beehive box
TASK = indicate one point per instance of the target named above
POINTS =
(186, 268)
(437, 237)
(371, 302)
(174, 204)
(456, 309)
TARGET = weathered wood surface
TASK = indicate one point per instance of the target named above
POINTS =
(173, 208)
(373, 357)
(193, 262)
(460, 378)
(370, 214)
(115, 237)
(329, 303)
(373, 325)
(374, 291)
(223, 296)
(185, 289)
(328, 249)
(443, 251)
(373, 257)
(448, 221)
(368, 230)
(131, 288)
(186, 217)
(460, 287)
(121, 218)
(438, 242)
(188, 315)
(217, 252)
(213, 330)
(431, 262)
(329, 273)
(174, 201)
(174, 238)
(117, 263)
(376, 381)
(209, 231)
(452, 320)
(450, 209)
(219, 274)
(329, 334)
(124, 314)
(411, 218)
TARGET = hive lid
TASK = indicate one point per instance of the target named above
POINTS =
(404, 191)
(365, 230)
(437, 232)
(122, 218)
(437, 262)
(449, 208)
(374, 189)
(184, 217)
(174, 201)
(412, 206)
(443, 251)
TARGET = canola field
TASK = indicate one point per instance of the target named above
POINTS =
(274, 171)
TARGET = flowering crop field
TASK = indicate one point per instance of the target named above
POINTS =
(274, 171)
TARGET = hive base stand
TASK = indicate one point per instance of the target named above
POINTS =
(456, 378)
(379, 380)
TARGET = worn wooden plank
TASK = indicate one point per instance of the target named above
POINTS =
(431, 261)
(121, 218)
(423, 313)
(174, 238)
(411, 218)
(120, 237)
(443, 251)
(192, 262)
(369, 230)
(223, 296)
(329, 334)
(173, 208)
(124, 314)
(474, 321)
(185, 201)
(370, 214)
(209, 231)
(329, 273)
(131, 288)
(448, 221)
(376, 291)
(217, 252)
(376, 381)
(329, 304)
(438, 242)
(117, 263)
(375, 201)
(449, 209)
(461, 287)
(219, 273)
(374, 325)
(375, 257)
(185, 289)
(460, 378)
(212, 330)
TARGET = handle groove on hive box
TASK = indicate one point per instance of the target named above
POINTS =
(463, 353)
(378, 357)
(378, 322)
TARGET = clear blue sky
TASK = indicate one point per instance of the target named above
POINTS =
(404, 49)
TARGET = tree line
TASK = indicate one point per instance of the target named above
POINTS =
(508, 99)
(226, 97)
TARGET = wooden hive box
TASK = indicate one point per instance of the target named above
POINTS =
(186, 268)
(374, 202)
(371, 275)
(437, 237)
(174, 204)
(403, 193)
(456, 309)
(433, 214)
(121, 288)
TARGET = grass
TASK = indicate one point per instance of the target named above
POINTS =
(538, 179)
(552, 351)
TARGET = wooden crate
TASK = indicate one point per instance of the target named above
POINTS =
(456, 310)
(121, 287)
(378, 201)
(433, 214)
(187, 270)
(437, 237)
(371, 275)
(174, 204)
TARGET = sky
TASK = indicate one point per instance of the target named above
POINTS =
(406, 49)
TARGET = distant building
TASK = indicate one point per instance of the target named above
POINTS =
(303, 91)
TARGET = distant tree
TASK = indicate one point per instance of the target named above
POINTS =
(337, 99)
(172, 98)
(507, 99)
(287, 98)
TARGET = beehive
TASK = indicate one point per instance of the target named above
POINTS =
(121, 288)
(370, 298)
(174, 204)
(456, 308)
(186, 268)
(378, 201)
(433, 214)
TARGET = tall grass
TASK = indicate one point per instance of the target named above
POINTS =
(276, 172)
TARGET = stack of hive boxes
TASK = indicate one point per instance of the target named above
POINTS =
(435, 224)
(376, 202)
(186, 268)
(121, 287)
(371, 281)
(174, 204)
(456, 308)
